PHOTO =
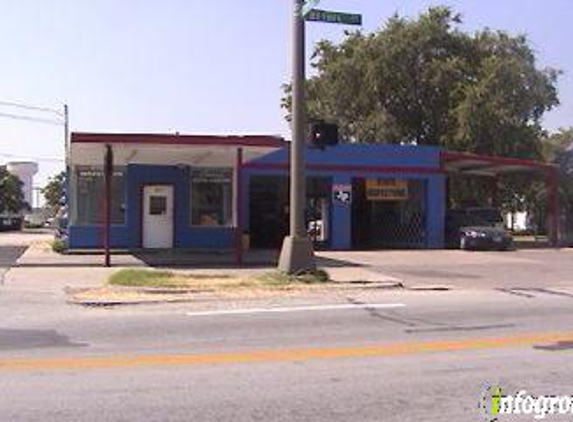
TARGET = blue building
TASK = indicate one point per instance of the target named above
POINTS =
(210, 192)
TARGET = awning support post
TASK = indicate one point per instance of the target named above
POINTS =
(108, 174)
(238, 179)
(553, 206)
(494, 191)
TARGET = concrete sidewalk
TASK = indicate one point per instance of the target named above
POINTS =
(40, 269)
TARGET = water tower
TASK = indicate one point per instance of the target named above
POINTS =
(25, 171)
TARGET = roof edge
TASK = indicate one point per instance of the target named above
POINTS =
(177, 139)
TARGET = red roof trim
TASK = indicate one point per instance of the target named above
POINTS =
(345, 167)
(172, 139)
(448, 156)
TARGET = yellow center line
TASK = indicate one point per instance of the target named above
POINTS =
(277, 355)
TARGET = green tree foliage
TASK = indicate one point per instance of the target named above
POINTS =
(426, 82)
(54, 190)
(11, 193)
(558, 149)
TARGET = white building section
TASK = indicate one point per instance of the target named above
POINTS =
(25, 171)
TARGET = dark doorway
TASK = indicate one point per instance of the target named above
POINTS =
(268, 216)
(269, 211)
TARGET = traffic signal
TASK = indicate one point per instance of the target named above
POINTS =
(323, 134)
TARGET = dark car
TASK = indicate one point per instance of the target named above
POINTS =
(477, 229)
(9, 223)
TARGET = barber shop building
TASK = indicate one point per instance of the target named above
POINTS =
(226, 192)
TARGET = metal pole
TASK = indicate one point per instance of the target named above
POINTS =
(297, 253)
(298, 188)
(553, 206)
(238, 207)
(66, 131)
(108, 174)
(69, 184)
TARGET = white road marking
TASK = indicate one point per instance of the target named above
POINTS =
(298, 309)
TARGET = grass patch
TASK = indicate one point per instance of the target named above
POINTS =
(58, 245)
(222, 282)
(149, 278)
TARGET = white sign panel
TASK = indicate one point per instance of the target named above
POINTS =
(342, 192)
(308, 5)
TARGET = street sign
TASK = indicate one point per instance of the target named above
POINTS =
(317, 15)
(342, 192)
(308, 6)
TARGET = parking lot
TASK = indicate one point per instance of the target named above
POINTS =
(515, 270)
(13, 245)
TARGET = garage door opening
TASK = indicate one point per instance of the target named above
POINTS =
(492, 169)
(388, 213)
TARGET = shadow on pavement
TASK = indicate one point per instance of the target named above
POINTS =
(33, 339)
(10, 254)
(556, 347)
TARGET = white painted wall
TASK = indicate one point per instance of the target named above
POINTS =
(25, 171)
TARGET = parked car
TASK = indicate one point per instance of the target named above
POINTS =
(477, 228)
(10, 222)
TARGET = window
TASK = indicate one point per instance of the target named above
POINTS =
(90, 192)
(211, 197)
(157, 205)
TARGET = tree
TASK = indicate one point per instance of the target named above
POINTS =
(558, 149)
(11, 193)
(54, 190)
(426, 82)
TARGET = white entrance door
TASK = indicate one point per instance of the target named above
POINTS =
(158, 216)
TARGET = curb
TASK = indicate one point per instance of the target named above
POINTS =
(198, 296)
(429, 287)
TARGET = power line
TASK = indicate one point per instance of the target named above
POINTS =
(32, 119)
(30, 107)
(39, 159)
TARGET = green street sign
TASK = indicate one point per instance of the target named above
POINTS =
(316, 15)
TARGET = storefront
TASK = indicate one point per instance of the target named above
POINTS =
(359, 196)
(212, 192)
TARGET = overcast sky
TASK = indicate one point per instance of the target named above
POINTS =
(199, 66)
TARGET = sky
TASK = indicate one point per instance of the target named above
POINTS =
(200, 67)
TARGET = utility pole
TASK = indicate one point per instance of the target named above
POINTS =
(297, 252)
(66, 131)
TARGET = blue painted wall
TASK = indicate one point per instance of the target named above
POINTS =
(436, 211)
(129, 235)
(364, 155)
(347, 161)
(340, 163)
(87, 237)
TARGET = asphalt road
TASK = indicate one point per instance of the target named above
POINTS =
(428, 360)
(429, 356)
(524, 268)
(8, 256)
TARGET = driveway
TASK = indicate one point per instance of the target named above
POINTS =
(14, 244)
(521, 270)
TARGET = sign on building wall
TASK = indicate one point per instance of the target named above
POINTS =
(342, 192)
(386, 189)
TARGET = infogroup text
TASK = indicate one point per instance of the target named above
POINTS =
(495, 403)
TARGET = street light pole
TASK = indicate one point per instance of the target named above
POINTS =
(297, 252)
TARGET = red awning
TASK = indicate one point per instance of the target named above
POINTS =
(485, 165)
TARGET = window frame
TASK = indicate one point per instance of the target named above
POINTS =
(118, 171)
(230, 182)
